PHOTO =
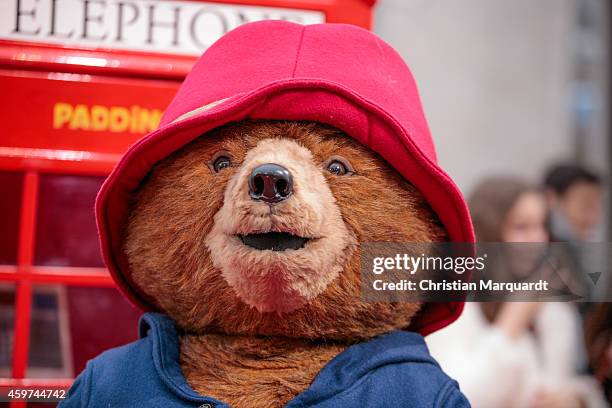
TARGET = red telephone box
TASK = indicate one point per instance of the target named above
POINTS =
(81, 81)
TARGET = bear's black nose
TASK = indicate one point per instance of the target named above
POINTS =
(270, 183)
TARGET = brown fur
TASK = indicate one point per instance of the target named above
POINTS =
(165, 244)
(285, 367)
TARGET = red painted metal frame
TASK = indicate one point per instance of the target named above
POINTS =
(19, 56)
(27, 229)
(48, 57)
(51, 161)
(97, 277)
(24, 274)
(25, 255)
(25, 382)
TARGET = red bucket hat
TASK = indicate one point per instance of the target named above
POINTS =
(335, 74)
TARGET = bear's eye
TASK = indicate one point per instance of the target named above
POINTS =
(336, 168)
(339, 166)
(221, 163)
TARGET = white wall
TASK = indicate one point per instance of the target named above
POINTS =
(494, 77)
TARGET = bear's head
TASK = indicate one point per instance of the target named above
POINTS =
(285, 149)
(255, 228)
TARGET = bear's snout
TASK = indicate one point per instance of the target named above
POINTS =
(270, 183)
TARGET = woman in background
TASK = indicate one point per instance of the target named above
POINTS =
(516, 354)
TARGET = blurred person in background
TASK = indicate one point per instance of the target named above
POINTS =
(598, 337)
(516, 354)
(575, 196)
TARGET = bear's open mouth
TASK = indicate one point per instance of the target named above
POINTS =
(275, 241)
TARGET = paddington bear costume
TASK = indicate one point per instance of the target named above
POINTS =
(335, 74)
